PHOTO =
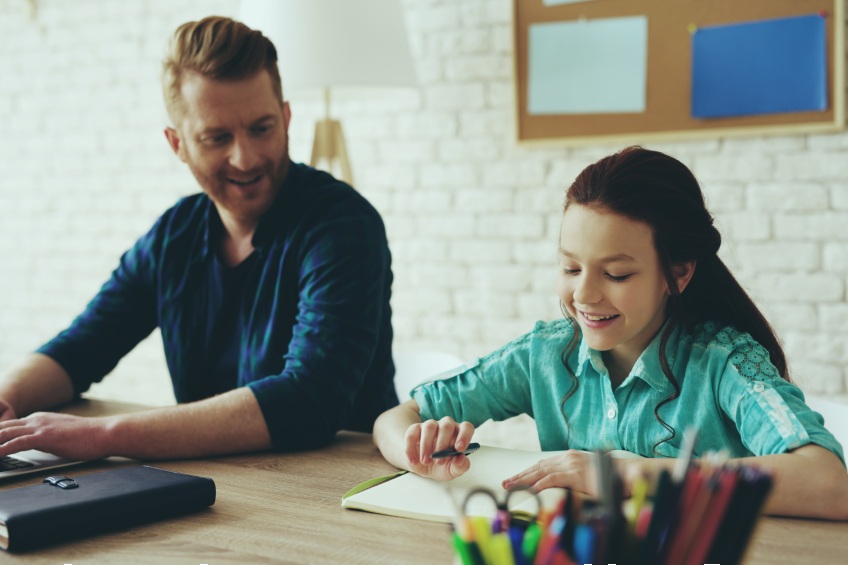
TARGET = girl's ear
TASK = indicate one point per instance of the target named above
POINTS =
(683, 273)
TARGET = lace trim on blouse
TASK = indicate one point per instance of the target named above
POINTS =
(749, 357)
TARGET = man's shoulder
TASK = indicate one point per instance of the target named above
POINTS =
(184, 221)
(318, 190)
(187, 212)
(192, 204)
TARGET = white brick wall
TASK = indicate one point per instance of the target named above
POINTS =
(472, 218)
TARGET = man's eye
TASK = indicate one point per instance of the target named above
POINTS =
(216, 139)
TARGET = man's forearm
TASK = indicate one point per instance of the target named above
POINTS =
(229, 423)
(36, 383)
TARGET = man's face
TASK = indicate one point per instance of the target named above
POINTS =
(234, 137)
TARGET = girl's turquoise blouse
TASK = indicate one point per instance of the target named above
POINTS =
(729, 392)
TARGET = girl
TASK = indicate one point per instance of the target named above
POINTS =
(658, 336)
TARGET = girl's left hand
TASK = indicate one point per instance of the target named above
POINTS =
(573, 469)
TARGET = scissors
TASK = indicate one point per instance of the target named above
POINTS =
(513, 525)
(504, 515)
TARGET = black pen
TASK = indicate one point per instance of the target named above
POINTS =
(452, 452)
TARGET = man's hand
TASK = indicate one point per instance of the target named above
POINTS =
(6, 411)
(64, 435)
(231, 422)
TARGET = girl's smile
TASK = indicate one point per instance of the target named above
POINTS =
(598, 321)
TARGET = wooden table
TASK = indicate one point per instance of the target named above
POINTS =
(285, 508)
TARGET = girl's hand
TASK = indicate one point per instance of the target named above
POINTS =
(424, 439)
(573, 469)
(576, 470)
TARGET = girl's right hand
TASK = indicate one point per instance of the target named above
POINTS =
(424, 439)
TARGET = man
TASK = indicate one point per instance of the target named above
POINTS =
(271, 288)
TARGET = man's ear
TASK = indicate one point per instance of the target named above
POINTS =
(286, 115)
(175, 142)
(683, 273)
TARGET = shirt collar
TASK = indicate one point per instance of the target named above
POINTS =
(587, 356)
(647, 366)
(277, 214)
(268, 224)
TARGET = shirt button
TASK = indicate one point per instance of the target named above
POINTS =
(611, 413)
(759, 387)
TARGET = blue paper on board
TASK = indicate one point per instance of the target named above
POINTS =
(764, 67)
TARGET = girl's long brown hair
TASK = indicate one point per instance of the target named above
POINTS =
(658, 190)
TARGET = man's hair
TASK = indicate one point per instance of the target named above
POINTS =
(217, 48)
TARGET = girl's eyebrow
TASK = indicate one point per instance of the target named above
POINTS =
(611, 259)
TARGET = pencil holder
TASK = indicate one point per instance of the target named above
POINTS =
(706, 514)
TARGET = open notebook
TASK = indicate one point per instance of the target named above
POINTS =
(31, 461)
(411, 496)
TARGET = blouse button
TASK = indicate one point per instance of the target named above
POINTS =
(611, 413)
(759, 387)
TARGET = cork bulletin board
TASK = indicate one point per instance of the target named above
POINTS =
(654, 76)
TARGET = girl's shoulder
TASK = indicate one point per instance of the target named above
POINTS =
(718, 342)
(554, 334)
(543, 336)
(561, 327)
(708, 334)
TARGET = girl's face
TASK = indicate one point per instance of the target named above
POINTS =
(610, 281)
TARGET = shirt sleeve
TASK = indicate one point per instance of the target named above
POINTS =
(769, 412)
(496, 386)
(344, 278)
(119, 316)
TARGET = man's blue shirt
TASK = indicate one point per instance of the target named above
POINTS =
(313, 323)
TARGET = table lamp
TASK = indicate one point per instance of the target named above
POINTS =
(324, 44)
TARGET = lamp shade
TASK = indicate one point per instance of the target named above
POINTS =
(331, 43)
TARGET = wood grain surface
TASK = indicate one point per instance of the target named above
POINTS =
(285, 508)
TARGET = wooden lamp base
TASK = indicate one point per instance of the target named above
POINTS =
(329, 145)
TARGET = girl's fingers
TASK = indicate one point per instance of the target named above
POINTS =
(447, 434)
(412, 444)
(463, 437)
(422, 440)
(458, 465)
(525, 478)
(429, 433)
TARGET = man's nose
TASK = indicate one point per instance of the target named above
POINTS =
(244, 155)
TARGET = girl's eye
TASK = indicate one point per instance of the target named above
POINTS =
(621, 278)
(568, 271)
